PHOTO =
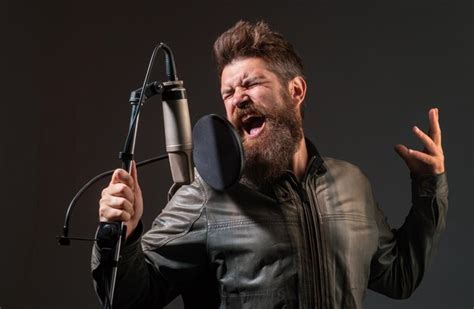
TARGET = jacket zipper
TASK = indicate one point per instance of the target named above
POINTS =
(321, 262)
(311, 234)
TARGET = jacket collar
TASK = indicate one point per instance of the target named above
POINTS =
(314, 167)
(315, 161)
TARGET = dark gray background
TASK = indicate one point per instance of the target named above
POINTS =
(374, 69)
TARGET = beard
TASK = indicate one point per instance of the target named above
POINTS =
(268, 156)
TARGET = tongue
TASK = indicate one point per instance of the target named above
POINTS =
(254, 131)
(254, 125)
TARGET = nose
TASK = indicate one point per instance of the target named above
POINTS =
(240, 98)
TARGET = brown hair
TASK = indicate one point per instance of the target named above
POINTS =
(246, 40)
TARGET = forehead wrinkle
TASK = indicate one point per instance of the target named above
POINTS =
(234, 81)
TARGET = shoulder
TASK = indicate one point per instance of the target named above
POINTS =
(194, 194)
(189, 199)
(348, 188)
(345, 172)
(340, 166)
(183, 212)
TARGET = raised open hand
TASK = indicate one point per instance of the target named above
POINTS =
(431, 159)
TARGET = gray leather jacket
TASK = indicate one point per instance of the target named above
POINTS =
(318, 243)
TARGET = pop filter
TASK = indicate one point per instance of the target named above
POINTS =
(218, 154)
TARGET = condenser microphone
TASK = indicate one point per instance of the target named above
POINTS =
(178, 134)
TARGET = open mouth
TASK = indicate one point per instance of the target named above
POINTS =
(253, 125)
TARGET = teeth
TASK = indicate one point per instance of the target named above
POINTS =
(245, 119)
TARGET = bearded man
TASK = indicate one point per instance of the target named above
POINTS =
(298, 231)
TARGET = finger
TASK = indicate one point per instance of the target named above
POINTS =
(402, 151)
(421, 156)
(116, 202)
(435, 130)
(134, 173)
(119, 189)
(111, 214)
(121, 176)
(426, 140)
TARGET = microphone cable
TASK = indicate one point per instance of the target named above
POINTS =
(127, 154)
(65, 240)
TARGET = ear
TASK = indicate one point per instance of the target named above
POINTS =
(297, 90)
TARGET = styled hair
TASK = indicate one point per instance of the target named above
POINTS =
(245, 40)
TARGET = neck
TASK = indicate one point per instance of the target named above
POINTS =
(300, 160)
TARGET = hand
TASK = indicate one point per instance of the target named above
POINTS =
(122, 200)
(431, 159)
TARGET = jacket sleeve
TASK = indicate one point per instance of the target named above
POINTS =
(403, 255)
(157, 267)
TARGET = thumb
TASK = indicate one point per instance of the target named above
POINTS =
(134, 175)
(118, 176)
(403, 152)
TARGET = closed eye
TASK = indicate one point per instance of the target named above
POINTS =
(250, 83)
(227, 95)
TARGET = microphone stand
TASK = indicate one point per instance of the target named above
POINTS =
(111, 235)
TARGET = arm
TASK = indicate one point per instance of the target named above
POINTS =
(398, 266)
(157, 267)
(404, 254)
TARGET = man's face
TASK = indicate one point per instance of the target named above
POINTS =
(263, 113)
